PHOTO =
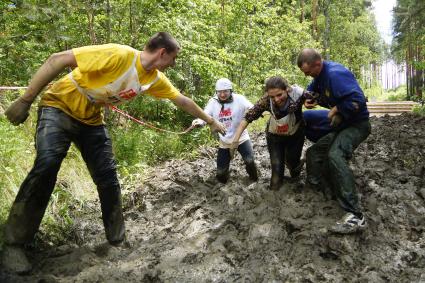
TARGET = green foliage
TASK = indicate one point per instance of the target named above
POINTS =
(245, 40)
(14, 152)
(147, 146)
(408, 44)
(375, 93)
(419, 109)
(353, 35)
(398, 94)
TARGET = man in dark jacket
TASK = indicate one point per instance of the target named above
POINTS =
(340, 92)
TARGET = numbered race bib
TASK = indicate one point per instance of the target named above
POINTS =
(122, 89)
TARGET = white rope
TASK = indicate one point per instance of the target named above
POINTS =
(12, 87)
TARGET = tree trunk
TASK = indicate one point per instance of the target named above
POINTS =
(223, 25)
(407, 74)
(419, 74)
(91, 20)
(302, 16)
(410, 72)
(314, 8)
(108, 21)
(326, 38)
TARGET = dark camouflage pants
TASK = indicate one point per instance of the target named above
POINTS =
(327, 163)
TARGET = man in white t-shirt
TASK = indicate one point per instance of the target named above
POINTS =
(229, 109)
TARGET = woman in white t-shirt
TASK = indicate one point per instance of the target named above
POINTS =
(229, 109)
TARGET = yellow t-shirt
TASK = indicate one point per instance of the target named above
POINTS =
(99, 65)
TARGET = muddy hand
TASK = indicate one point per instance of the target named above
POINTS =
(310, 103)
(197, 123)
(216, 126)
(233, 149)
(232, 153)
(18, 111)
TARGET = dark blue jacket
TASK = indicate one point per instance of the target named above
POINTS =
(338, 87)
(317, 124)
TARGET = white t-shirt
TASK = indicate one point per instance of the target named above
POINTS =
(231, 116)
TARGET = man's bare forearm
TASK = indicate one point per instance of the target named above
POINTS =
(47, 72)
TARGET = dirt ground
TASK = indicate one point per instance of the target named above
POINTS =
(182, 226)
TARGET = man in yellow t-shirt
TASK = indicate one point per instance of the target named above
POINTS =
(71, 111)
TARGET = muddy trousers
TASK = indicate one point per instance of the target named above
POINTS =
(327, 163)
(54, 134)
(285, 150)
(223, 162)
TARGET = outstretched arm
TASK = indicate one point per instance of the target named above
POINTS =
(19, 109)
(48, 71)
(189, 106)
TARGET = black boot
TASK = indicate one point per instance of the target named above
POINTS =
(275, 182)
(112, 216)
(223, 176)
(252, 171)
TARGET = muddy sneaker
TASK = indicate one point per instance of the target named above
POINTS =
(14, 260)
(349, 224)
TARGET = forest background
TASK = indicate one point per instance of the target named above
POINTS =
(244, 40)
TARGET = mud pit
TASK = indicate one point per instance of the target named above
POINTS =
(184, 227)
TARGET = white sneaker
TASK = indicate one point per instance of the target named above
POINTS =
(349, 224)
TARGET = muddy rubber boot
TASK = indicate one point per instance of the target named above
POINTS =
(112, 216)
(23, 222)
(114, 226)
(252, 171)
(223, 176)
(14, 260)
(275, 183)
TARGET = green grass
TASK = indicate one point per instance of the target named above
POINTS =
(73, 188)
(17, 152)
(376, 94)
(398, 94)
(419, 109)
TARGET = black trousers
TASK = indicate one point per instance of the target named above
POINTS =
(284, 150)
(224, 158)
(55, 132)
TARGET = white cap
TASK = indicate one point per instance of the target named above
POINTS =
(223, 84)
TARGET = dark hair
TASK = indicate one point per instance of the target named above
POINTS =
(162, 40)
(308, 56)
(276, 82)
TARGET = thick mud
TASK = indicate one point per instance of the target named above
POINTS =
(182, 226)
